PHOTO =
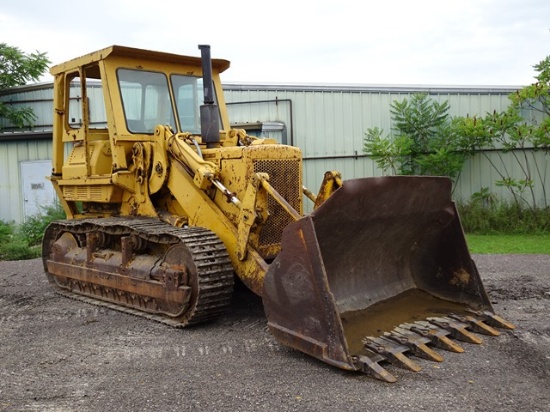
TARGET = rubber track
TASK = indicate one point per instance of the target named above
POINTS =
(214, 268)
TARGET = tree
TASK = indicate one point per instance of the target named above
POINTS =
(424, 140)
(427, 141)
(17, 69)
(522, 130)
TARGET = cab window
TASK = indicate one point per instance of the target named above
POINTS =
(146, 100)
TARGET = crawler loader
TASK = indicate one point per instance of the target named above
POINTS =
(166, 203)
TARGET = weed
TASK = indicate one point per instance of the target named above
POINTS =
(481, 217)
(23, 241)
(18, 250)
(32, 230)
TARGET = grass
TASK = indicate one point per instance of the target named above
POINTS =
(509, 243)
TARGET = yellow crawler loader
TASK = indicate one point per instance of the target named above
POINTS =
(166, 203)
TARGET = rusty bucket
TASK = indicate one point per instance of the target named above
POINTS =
(382, 258)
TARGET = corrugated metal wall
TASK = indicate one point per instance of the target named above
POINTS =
(12, 153)
(329, 125)
(17, 146)
(39, 98)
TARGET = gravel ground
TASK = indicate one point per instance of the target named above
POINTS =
(57, 354)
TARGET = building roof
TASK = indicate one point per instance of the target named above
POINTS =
(372, 88)
(334, 87)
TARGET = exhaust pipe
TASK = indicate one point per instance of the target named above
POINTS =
(210, 127)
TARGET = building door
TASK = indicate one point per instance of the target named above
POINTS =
(37, 191)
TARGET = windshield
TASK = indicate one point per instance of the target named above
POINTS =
(189, 95)
(146, 101)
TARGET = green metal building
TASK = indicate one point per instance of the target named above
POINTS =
(327, 122)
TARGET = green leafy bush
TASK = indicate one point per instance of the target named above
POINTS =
(12, 247)
(484, 215)
(32, 230)
(6, 231)
(23, 241)
(424, 140)
(18, 250)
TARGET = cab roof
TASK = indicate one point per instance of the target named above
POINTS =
(219, 65)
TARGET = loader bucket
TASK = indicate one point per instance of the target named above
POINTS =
(374, 272)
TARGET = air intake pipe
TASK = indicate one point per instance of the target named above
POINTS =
(210, 127)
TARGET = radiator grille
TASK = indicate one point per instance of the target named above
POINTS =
(86, 193)
(284, 176)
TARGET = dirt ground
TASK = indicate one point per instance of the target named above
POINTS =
(57, 354)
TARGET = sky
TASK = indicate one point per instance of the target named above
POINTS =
(385, 42)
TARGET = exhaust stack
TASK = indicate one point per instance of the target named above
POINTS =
(210, 127)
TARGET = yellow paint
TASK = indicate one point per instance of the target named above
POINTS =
(167, 173)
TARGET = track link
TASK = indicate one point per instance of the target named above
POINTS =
(194, 258)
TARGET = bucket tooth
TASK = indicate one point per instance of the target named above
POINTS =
(368, 364)
(416, 343)
(457, 329)
(476, 325)
(392, 351)
(492, 319)
(437, 335)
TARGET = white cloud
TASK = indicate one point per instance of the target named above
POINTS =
(393, 42)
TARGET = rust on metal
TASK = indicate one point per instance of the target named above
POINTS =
(438, 336)
(475, 325)
(378, 272)
(458, 329)
(393, 351)
(417, 344)
(180, 275)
